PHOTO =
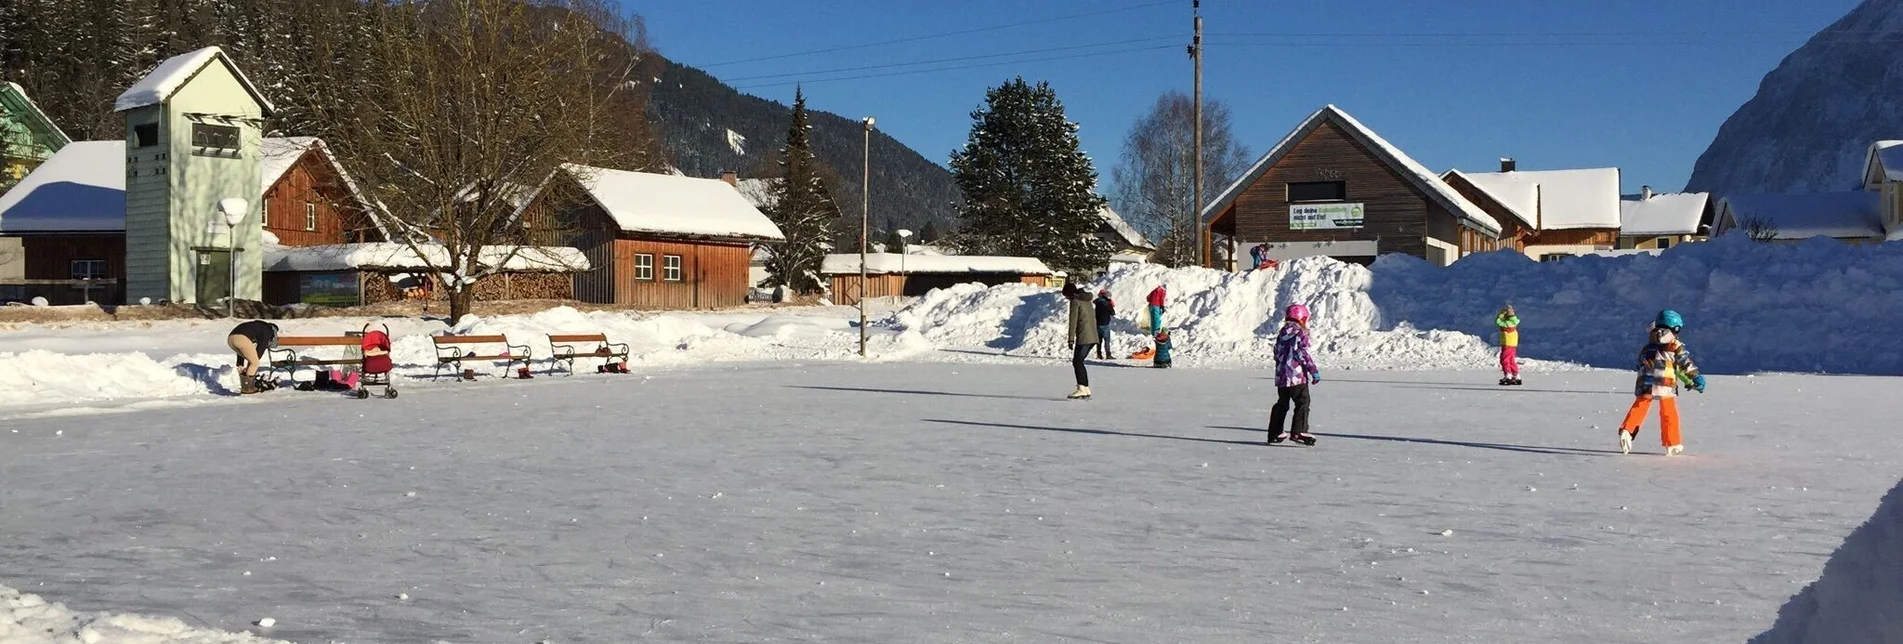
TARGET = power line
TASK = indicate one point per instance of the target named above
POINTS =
(1443, 34)
(943, 35)
(958, 67)
(950, 60)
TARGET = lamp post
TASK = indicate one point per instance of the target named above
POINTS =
(233, 210)
(865, 219)
(904, 249)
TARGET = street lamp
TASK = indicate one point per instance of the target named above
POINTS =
(904, 249)
(234, 210)
(865, 219)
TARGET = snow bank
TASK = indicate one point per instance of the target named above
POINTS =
(28, 619)
(1816, 306)
(1859, 598)
(48, 377)
(1214, 317)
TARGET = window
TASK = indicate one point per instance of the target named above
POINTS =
(89, 269)
(145, 136)
(310, 216)
(1318, 191)
(1664, 242)
(1554, 257)
(224, 137)
(671, 268)
(644, 267)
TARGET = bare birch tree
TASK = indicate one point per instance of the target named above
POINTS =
(461, 107)
(1154, 183)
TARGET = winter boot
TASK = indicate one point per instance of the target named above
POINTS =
(469, 374)
(1304, 439)
(523, 373)
(247, 386)
(1082, 393)
(1625, 441)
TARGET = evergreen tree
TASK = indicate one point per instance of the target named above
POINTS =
(803, 208)
(1029, 189)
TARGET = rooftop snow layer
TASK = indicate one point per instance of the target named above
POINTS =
(1565, 199)
(882, 263)
(81, 189)
(277, 155)
(1890, 154)
(175, 72)
(673, 205)
(1424, 180)
(391, 255)
(1131, 238)
(1798, 216)
(1675, 213)
(1522, 200)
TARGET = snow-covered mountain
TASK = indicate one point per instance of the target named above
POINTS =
(1814, 117)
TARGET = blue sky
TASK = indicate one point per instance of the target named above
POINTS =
(1638, 84)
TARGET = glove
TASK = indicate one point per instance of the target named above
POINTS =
(1698, 383)
(1314, 379)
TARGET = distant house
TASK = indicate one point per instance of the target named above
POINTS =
(69, 215)
(656, 241)
(27, 137)
(1850, 217)
(1333, 187)
(1658, 221)
(892, 274)
(1553, 213)
(1883, 174)
(1128, 246)
(353, 274)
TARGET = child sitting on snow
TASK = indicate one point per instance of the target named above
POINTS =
(1294, 372)
(1664, 365)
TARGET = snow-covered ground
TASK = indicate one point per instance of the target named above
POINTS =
(932, 502)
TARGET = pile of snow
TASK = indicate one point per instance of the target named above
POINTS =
(1214, 317)
(1859, 598)
(28, 619)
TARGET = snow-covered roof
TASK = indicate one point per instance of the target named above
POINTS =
(1561, 199)
(645, 202)
(1124, 231)
(82, 188)
(392, 255)
(1844, 215)
(1677, 213)
(1410, 170)
(29, 112)
(881, 263)
(1885, 157)
(175, 72)
(1521, 201)
(276, 155)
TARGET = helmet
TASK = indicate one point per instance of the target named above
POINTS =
(1670, 319)
(1298, 313)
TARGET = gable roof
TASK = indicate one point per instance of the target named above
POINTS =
(1410, 170)
(1885, 157)
(1677, 213)
(82, 188)
(13, 98)
(277, 155)
(1560, 199)
(1856, 214)
(645, 202)
(166, 79)
(1123, 230)
(1520, 201)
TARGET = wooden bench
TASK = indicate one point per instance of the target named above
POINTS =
(566, 352)
(451, 353)
(290, 353)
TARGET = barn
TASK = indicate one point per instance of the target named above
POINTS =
(654, 241)
(1334, 188)
(892, 274)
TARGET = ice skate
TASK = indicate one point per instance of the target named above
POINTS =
(1675, 450)
(1625, 442)
(1303, 438)
(1515, 381)
(1277, 438)
(1082, 393)
(1506, 381)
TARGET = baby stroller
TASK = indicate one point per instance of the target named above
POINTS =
(376, 362)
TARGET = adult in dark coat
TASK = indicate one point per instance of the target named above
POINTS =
(1083, 335)
(250, 340)
(1106, 312)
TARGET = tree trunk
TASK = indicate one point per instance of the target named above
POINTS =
(460, 300)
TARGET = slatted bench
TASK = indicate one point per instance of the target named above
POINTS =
(564, 346)
(452, 352)
(291, 353)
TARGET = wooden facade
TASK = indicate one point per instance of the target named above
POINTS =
(643, 270)
(1399, 214)
(845, 288)
(286, 287)
(311, 206)
(56, 257)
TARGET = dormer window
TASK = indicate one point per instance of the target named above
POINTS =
(222, 137)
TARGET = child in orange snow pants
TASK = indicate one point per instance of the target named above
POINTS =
(1665, 364)
(1668, 418)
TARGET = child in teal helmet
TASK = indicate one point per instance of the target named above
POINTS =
(1665, 364)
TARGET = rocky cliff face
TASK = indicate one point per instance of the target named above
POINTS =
(1814, 117)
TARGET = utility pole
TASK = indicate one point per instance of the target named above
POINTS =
(1203, 235)
(865, 224)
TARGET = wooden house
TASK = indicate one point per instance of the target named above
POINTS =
(1333, 187)
(1851, 217)
(1883, 174)
(893, 274)
(308, 198)
(1551, 213)
(27, 137)
(1650, 220)
(653, 241)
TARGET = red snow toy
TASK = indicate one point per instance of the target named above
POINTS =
(376, 362)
